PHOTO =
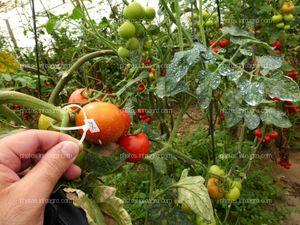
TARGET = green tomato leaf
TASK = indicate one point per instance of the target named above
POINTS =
(76, 14)
(193, 192)
(275, 117)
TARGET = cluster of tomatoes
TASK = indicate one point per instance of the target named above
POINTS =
(113, 125)
(277, 46)
(267, 138)
(131, 30)
(218, 187)
(223, 43)
(283, 161)
(290, 108)
(142, 114)
(282, 20)
(294, 75)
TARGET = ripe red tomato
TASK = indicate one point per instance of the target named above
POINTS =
(108, 118)
(277, 52)
(148, 120)
(127, 121)
(141, 111)
(141, 88)
(276, 99)
(215, 49)
(267, 138)
(258, 132)
(137, 146)
(222, 116)
(213, 43)
(147, 62)
(143, 117)
(77, 96)
(223, 43)
(151, 70)
(276, 44)
(274, 135)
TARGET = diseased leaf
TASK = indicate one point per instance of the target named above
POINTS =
(269, 62)
(254, 93)
(275, 117)
(111, 205)
(252, 120)
(193, 192)
(282, 87)
(8, 64)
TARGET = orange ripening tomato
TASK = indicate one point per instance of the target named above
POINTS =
(108, 118)
(214, 191)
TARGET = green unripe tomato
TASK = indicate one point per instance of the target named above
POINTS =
(287, 27)
(237, 183)
(277, 18)
(127, 30)
(44, 123)
(280, 25)
(216, 170)
(148, 44)
(134, 11)
(215, 15)
(123, 52)
(209, 23)
(150, 13)
(205, 14)
(139, 30)
(200, 221)
(288, 17)
(186, 209)
(133, 44)
(233, 194)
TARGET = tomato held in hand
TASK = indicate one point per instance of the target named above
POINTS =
(108, 118)
(137, 146)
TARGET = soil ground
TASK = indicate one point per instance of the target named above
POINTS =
(289, 178)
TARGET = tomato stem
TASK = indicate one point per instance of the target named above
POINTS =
(69, 74)
(35, 104)
(6, 111)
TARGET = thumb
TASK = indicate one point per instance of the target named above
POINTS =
(46, 173)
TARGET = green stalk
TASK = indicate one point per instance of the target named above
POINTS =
(35, 104)
(69, 74)
(173, 19)
(202, 33)
(240, 148)
(6, 111)
(178, 120)
(178, 22)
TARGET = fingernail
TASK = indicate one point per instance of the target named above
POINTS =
(70, 149)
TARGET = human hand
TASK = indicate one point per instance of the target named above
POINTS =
(23, 198)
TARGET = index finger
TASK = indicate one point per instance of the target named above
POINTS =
(22, 146)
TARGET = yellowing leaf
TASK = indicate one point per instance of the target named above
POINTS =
(8, 64)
